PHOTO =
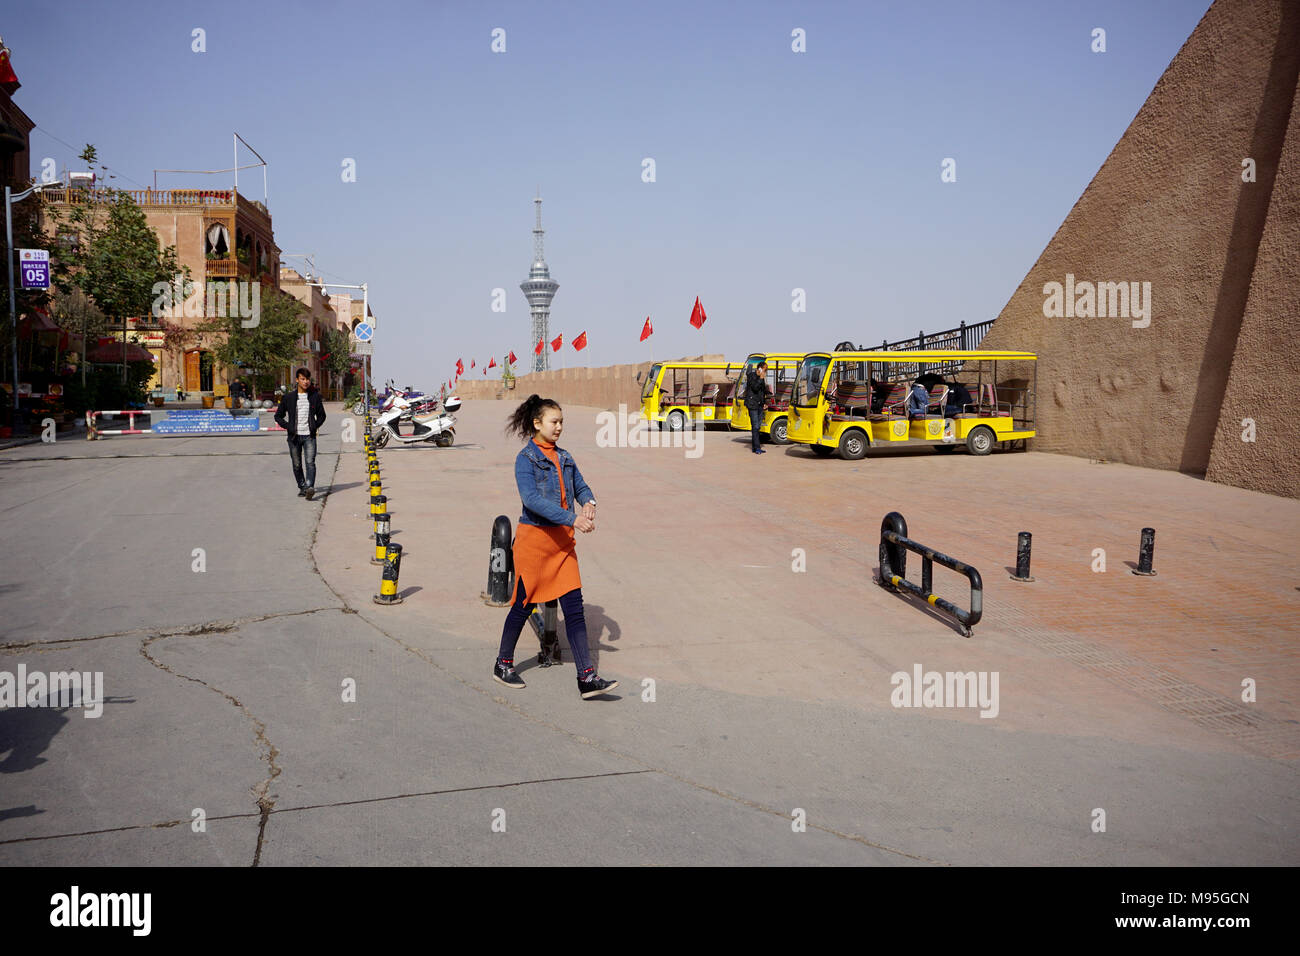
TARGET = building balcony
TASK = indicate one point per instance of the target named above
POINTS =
(223, 268)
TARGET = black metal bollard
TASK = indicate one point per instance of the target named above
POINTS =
(1146, 553)
(550, 638)
(501, 569)
(893, 556)
(388, 582)
(1024, 541)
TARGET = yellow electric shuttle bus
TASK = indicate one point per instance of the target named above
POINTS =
(675, 393)
(848, 402)
(781, 370)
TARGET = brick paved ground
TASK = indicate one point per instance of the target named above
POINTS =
(689, 577)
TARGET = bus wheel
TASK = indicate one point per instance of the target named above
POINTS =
(945, 449)
(676, 421)
(821, 451)
(853, 445)
(778, 431)
(980, 440)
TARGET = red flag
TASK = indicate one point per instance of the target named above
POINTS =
(493, 362)
(8, 80)
(557, 342)
(580, 342)
(460, 366)
(513, 358)
(485, 371)
(697, 314)
(471, 363)
(647, 330)
(541, 344)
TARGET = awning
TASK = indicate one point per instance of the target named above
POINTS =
(36, 321)
(111, 354)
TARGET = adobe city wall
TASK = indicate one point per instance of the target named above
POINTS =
(1175, 214)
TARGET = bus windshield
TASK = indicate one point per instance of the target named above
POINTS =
(807, 387)
(649, 387)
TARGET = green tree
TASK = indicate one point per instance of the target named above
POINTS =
(264, 348)
(336, 348)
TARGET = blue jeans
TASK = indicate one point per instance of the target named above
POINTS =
(303, 447)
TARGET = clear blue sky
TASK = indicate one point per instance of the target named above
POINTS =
(775, 170)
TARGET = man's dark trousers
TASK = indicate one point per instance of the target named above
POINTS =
(303, 447)
(755, 426)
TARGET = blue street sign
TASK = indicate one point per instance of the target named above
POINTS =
(364, 332)
(35, 267)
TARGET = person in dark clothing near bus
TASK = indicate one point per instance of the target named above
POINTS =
(301, 412)
(958, 399)
(756, 395)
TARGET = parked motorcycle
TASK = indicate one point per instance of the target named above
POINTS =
(433, 426)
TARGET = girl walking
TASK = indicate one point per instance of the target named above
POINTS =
(546, 561)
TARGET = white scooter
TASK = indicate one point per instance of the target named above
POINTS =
(436, 426)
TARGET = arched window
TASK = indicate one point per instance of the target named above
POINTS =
(217, 241)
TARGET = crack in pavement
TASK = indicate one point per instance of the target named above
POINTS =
(262, 814)
(182, 630)
(264, 801)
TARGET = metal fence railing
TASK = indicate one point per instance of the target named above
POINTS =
(964, 337)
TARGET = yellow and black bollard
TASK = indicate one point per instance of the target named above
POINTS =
(382, 535)
(388, 583)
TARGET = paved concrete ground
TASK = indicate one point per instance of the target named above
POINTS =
(772, 687)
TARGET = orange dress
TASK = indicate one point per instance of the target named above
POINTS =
(546, 558)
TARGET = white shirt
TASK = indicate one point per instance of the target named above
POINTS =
(304, 413)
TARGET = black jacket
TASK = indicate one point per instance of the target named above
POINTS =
(286, 416)
(756, 390)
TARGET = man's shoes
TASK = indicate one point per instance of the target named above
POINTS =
(595, 687)
(302, 492)
(308, 493)
(505, 674)
(761, 451)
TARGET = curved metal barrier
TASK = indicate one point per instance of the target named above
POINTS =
(894, 545)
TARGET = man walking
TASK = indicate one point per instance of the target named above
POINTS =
(756, 395)
(301, 412)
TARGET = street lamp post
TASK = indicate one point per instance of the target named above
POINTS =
(10, 199)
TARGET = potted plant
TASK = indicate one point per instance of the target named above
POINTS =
(508, 376)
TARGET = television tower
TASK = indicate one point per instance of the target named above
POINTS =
(539, 288)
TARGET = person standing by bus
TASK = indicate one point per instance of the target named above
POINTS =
(756, 395)
(545, 558)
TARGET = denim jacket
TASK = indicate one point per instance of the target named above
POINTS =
(539, 487)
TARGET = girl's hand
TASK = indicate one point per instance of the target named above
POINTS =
(589, 510)
(584, 524)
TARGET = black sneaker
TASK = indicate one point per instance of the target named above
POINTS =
(308, 493)
(505, 674)
(595, 687)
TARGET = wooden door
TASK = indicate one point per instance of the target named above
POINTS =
(192, 371)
